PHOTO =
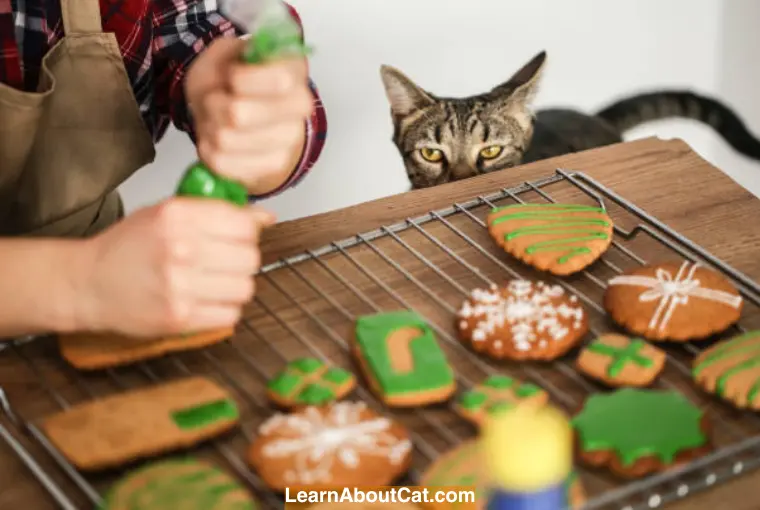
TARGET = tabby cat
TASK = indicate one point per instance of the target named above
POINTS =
(448, 139)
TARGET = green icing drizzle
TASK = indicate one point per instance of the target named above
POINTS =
(622, 356)
(430, 368)
(205, 414)
(499, 382)
(493, 394)
(472, 400)
(309, 381)
(636, 423)
(527, 390)
(555, 223)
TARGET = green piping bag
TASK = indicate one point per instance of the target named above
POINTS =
(274, 34)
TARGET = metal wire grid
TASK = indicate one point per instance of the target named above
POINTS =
(306, 306)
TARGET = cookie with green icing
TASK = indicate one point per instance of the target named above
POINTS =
(618, 360)
(731, 370)
(462, 467)
(559, 238)
(181, 484)
(634, 432)
(496, 393)
(309, 382)
(402, 360)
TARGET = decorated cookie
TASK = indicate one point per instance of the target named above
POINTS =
(635, 432)
(401, 359)
(344, 444)
(678, 302)
(496, 393)
(731, 370)
(618, 360)
(184, 484)
(462, 467)
(559, 238)
(308, 381)
(522, 321)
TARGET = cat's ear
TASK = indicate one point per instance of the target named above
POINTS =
(522, 87)
(403, 94)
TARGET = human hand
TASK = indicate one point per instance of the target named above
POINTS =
(249, 119)
(183, 265)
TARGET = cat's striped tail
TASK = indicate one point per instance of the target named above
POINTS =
(633, 111)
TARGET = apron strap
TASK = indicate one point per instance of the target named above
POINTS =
(81, 17)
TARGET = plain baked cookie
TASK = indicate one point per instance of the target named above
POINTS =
(523, 321)
(636, 432)
(309, 381)
(731, 370)
(559, 238)
(344, 444)
(181, 484)
(462, 467)
(496, 393)
(618, 360)
(673, 301)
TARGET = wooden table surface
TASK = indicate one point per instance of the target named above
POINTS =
(665, 178)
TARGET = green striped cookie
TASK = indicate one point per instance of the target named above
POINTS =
(731, 370)
(179, 484)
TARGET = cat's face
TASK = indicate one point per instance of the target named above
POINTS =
(444, 139)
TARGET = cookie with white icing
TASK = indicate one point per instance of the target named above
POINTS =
(523, 321)
(559, 238)
(673, 301)
(344, 444)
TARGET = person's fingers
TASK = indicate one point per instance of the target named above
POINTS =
(218, 288)
(207, 316)
(232, 141)
(247, 168)
(221, 109)
(214, 218)
(271, 79)
(233, 259)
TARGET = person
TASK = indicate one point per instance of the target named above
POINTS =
(87, 88)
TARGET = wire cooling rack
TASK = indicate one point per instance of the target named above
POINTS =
(306, 306)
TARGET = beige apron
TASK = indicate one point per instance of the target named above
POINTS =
(66, 148)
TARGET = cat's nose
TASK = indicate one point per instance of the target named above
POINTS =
(461, 172)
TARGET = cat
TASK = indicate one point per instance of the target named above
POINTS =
(449, 139)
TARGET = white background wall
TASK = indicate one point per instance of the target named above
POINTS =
(598, 50)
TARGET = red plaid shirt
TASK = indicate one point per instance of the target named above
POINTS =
(158, 39)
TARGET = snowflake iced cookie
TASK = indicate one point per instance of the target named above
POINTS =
(678, 302)
(462, 467)
(523, 321)
(308, 381)
(496, 393)
(731, 370)
(618, 360)
(635, 432)
(402, 360)
(344, 444)
(559, 238)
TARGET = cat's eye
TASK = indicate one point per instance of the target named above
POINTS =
(432, 155)
(491, 152)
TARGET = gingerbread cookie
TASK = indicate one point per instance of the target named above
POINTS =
(559, 238)
(731, 370)
(618, 360)
(462, 467)
(93, 351)
(402, 360)
(344, 444)
(114, 430)
(180, 484)
(308, 381)
(678, 302)
(496, 393)
(523, 321)
(635, 432)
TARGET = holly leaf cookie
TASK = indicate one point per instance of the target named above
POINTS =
(559, 238)
(309, 381)
(635, 432)
(402, 360)
(731, 370)
(462, 466)
(523, 321)
(496, 393)
(344, 444)
(185, 484)
(674, 301)
(618, 360)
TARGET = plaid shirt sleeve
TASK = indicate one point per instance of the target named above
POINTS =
(182, 30)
